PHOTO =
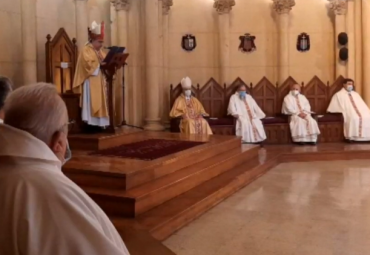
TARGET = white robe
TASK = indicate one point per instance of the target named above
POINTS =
(356, 114)
(42, 212)
(249, 125)
(86, 106)
(302, 130)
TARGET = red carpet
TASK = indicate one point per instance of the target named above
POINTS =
(148, 149)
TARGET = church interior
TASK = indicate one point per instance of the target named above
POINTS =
(171, 192)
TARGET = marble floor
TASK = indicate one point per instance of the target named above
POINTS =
(316, 208)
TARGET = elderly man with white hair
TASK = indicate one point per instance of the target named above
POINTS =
(303, 127)
(191, 111)
(42, 212)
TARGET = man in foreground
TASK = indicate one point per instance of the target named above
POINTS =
(191, 111)
(42, 212)
(89, 80)
(356, 113)
(248, 114)
(303, 127)
(5, 89)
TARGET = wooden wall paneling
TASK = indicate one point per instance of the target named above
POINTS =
(61, 49)
(265, 94)
(317, 94)
(212, 96)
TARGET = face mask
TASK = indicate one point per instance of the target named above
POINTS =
(242, 94)
(349, 88)
(294, 92)
(187, 93)
(67, 155)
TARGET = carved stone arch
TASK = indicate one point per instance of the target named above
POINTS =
(212, 95)
(283, 90)
(317, 94)
(176, 92)
(265, 94)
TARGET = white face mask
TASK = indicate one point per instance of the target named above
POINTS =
(187, 93)
(68, 154)
(294, 92)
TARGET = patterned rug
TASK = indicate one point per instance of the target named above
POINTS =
(148, 149)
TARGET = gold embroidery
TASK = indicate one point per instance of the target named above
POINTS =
(301, 110)
(358, 113)
(191, 114)
(251, 119)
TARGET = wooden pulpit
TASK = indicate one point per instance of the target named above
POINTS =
(112, 63)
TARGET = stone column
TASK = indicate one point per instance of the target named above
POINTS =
(223, 8)
(366, 50)
(153, 121)
(358, 53)
(283, 8)
(166, 6)
(350, 25)
(28, 22)
(122, 7)
(339, 7)
(82, 23)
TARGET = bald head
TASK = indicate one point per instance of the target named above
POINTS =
(40, 111)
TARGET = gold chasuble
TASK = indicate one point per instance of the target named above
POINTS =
(192, 112)
(88, 69)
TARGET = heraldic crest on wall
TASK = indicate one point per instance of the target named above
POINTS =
(247, 43)
(189, 42)
(303, 42)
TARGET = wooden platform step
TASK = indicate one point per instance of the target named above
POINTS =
(138, 240)
(165, 219)
(147, 196)
(115, 173)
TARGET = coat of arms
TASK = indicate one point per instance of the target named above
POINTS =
(303, 42)
(247, 43)
(188, 43)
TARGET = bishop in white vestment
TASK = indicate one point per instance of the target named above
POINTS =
(303, 127)
(248, 114)
(356, 113)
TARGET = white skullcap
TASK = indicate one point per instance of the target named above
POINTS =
(186, 83)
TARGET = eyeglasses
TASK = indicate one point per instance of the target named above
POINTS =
(70, 124)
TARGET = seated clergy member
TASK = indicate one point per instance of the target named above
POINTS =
(303, 127)
(5, 89)
(43, 212)
(191, 111)
(356, 113)
(248, 114)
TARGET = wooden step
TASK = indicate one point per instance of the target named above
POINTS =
(113, 173)
(138, 240)
(140, 199)
(165, 219)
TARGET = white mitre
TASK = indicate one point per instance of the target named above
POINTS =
(95, 28)
(186, 83)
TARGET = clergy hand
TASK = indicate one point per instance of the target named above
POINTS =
(302, 115)
(184, 116)
(103, 63)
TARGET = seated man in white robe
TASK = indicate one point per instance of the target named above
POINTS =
(303, 127)
(356, 113)
(42, 212)
(248, 114)
(5, 89)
